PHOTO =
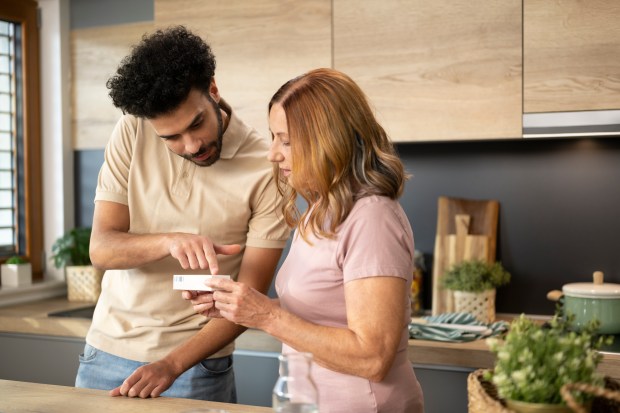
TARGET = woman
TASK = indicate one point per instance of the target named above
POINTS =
(343, 288)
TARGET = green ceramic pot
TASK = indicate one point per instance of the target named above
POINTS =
(596, 300)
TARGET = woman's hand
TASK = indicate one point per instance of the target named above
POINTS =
(241, 304)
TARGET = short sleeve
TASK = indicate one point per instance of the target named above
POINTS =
(113, 178)
(267, 228)
(376, 240)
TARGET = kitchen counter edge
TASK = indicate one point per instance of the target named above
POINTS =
(32, 318)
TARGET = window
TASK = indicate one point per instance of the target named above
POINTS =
(20, 147)
(9, 155)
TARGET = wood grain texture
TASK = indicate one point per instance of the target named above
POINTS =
(95, 55)
(571, 50)
(32, 318)
(20, 396)
(258, 45)
(466, 230)
(444, 70)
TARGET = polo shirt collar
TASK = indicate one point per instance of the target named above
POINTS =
(235, 133)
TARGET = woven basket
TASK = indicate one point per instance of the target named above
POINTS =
(481, 305)
(482, 396)
(83, 283)
(606, 400)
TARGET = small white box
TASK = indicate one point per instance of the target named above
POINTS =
(193, 282)
(16, 275)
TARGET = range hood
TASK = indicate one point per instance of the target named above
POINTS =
(571, 124)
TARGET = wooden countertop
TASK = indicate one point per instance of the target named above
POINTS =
(32, 318)
(20, 396)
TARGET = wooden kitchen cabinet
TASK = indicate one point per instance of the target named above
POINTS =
(571, 55)
(95, 54)
(258, 46)
(441, 70)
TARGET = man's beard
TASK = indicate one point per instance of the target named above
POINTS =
(217, 144)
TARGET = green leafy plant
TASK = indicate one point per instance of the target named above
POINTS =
(72, 248)
(16, 259)
(475, 276)
(535, 360)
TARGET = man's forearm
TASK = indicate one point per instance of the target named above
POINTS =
(213, 337)
(122, 250)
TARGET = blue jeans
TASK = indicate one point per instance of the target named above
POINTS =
(211, 379)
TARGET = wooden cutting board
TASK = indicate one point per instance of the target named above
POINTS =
(466, 230)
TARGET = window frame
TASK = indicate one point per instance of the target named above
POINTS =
(25, 12)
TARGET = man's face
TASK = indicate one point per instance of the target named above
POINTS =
(194, 129)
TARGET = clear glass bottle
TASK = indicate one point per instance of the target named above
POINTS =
(295, 392)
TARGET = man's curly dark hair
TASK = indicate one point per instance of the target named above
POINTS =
(160, 72)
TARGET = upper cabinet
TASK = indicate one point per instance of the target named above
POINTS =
(258, 45)
(95, 54)
(571, 55)
(435, 70)
(440, 70)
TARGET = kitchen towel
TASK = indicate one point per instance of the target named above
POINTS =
(454, 327)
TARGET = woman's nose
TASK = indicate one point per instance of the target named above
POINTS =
(274, 155)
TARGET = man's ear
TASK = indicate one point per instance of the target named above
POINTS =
(214, 91)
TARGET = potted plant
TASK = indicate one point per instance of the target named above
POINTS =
(534, 361)
(71, 251)
(473, 283)
(16, 272)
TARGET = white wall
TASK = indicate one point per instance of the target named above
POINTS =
(58, 196)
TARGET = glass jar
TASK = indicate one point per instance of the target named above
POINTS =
(295, 392)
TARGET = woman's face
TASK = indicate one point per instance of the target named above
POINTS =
(280, 151)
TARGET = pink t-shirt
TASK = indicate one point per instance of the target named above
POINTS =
(375, 240)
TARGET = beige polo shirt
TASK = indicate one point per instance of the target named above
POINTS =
(139, 316)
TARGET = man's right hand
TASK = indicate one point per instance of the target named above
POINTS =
(112, 246)
(198, 252)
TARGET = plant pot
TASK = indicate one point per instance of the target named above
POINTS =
(481, 305)
(16, 275)
(525, 407)
(83, 283)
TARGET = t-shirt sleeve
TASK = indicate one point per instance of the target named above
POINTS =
(267, 228)
(113, 178)
(377, 241)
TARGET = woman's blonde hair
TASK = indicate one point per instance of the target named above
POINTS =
(339, 151)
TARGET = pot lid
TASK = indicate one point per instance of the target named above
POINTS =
(596, 289)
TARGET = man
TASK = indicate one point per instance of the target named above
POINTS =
(183, 180)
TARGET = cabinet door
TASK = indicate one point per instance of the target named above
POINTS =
(435, 70)
(95, 54)
(40, 359)
(571, 55)
(259, 45)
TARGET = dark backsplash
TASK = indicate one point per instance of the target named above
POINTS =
(559, 206)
